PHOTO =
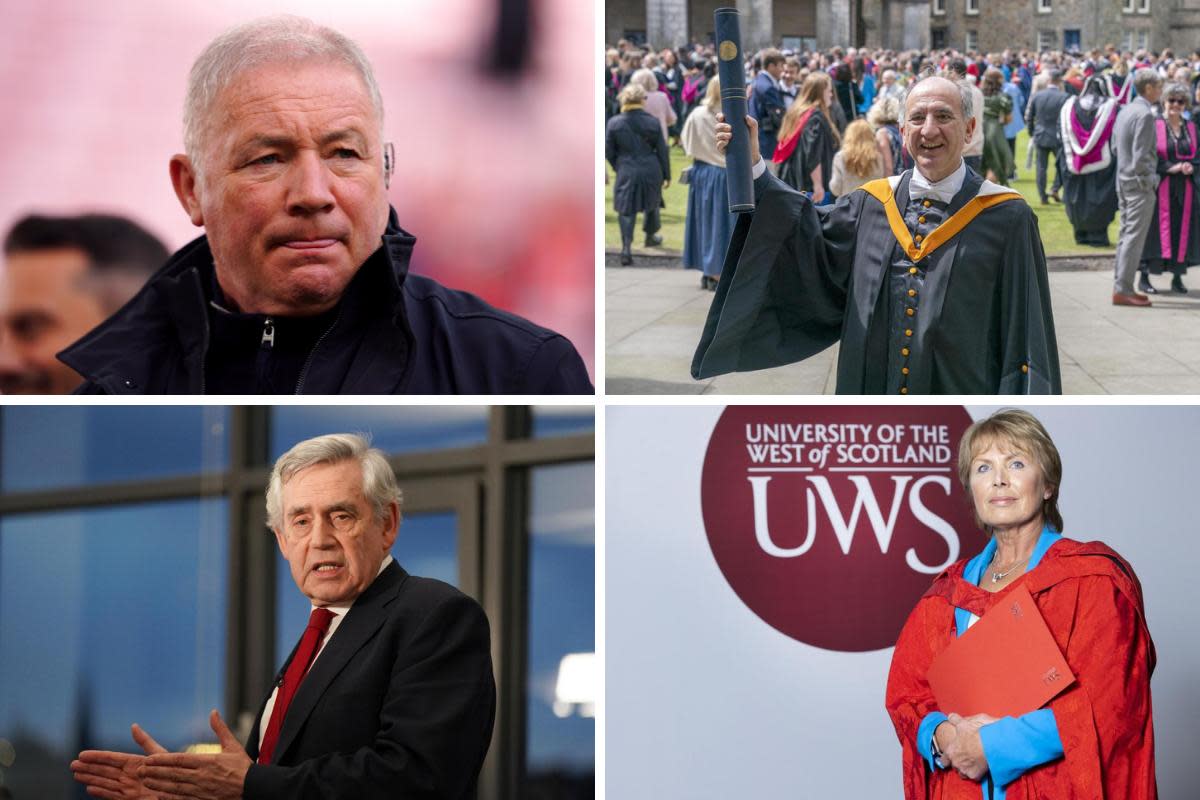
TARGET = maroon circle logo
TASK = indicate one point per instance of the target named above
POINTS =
(830, 522)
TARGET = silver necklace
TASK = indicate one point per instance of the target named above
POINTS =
(999, 576)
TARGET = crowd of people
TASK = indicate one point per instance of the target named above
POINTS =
(819, 113)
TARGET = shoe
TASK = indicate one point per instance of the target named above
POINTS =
(1144, 285)
(626, 259)
(710, 283)
(1177, 285)
(653, 239)
(1054, 197)
(1045, 201)
(1122, 299)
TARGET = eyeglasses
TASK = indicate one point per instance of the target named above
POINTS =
(1176, 101)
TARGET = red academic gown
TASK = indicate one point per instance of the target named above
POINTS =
(1092, 603)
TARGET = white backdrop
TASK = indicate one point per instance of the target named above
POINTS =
(705, 700)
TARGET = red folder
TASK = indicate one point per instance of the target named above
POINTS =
(1006, 664)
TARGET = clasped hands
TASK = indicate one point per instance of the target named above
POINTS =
(958, 739)
(159, 775)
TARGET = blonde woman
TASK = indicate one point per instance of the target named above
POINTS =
(858, 161)
(808, 139)
(885, 116)
(657, 104)
(708, 224)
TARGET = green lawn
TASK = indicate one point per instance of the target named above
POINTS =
(1052, 219)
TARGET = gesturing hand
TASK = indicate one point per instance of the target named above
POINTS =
(964, 749)
(184, 776)
(114, 776)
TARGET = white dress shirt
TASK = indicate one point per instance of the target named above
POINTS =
(943, 191)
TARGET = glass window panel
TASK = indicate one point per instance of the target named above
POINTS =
(107, 617)
(427, 546)
(563, 420)
(561, 684)
(393, 429)
(48, 447)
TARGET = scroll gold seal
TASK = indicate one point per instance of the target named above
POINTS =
(728, 50)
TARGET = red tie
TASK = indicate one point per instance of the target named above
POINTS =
(318, 623)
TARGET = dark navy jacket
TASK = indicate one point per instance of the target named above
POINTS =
(394, 333)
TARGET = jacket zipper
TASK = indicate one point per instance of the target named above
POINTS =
(308, 361)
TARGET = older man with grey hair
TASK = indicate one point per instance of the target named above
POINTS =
(389, 692)
(301, 282)
(1137, 178)
(933, 281)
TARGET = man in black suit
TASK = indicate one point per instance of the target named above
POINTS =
(391, 695)
(1042, 120)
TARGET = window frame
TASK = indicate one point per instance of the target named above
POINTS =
(938, 7)
(971, 7)
(1044, 6)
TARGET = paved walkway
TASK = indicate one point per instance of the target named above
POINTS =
(653, 316)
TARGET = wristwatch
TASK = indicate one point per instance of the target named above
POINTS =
(938, 758)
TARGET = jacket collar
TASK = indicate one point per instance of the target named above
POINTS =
(156, 343)
(364, 618)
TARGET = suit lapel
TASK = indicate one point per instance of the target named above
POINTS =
(362, 621)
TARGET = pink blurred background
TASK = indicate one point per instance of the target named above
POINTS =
(495, 174)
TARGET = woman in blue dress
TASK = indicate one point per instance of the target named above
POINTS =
(708, 224)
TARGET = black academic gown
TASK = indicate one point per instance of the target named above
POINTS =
(814, 149)
(797, 278)
(1091, 200)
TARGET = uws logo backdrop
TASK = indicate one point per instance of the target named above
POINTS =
(830, 522)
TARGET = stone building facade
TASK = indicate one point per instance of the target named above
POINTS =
(984, 25)
(994, 25)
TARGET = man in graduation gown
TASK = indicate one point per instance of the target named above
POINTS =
(1096, 738)
(933, 280)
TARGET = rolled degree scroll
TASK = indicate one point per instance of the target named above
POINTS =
(733, 104)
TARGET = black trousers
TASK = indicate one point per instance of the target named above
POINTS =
(650, 224)
(1043, 156)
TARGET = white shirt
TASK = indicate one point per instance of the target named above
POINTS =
(943, 191)
(339, 613)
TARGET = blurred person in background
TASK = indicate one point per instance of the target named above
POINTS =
(1088, 123)
(694, 84)
(1135, 152)
(635, 145)
(889, 87)
(957, 70)
(656, 103)
(709, 223)
(789, 84)
(301, 282)
(670, 81)
(997, 112)
(1016, 122)
(885, 116)
(849, 98)
(858, 160)
(63, 276)
(767, 104)
(866, 85)
(808, 139)
(1173, 240)
(1042, 119)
